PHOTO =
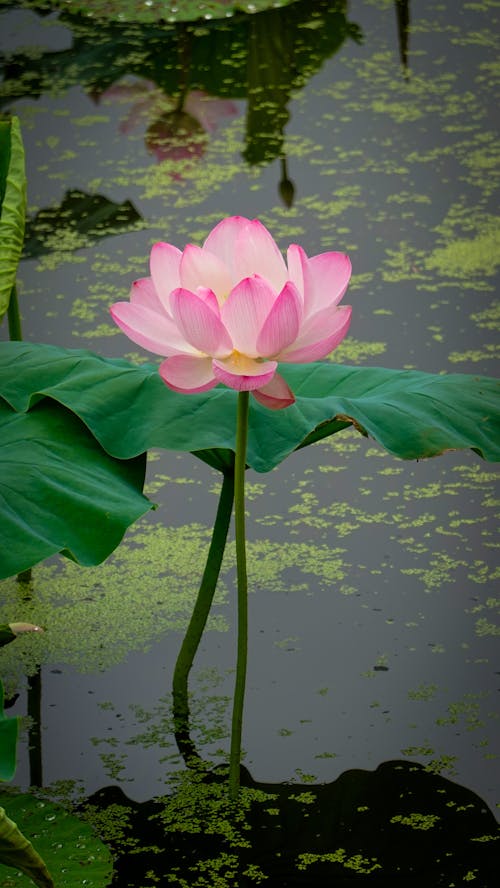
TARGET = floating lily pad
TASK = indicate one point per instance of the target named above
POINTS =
(162, 10)
(73, 854)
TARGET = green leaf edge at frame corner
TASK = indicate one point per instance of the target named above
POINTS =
(13, 206)
(9, 729)
(66, 844)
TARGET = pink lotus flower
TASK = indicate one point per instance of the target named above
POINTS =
(231, 310)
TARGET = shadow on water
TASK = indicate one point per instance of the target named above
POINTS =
(88, 216)
(400, 823)
(397, 825)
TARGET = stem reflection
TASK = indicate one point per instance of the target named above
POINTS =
(198, 622)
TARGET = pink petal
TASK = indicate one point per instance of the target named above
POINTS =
(326, 330)
(222, 241)
(135, 116)
(208, 110)
(282, 324)
(201, 268)
(164, 264)
(209, 298)
(143, 293)
(188, 374)
(245, 312)
(242, 373)
(246, 248)
(327, 278)
(296, 259)
(151, 330)
(275, 395)
(258, 253)
(199, 324)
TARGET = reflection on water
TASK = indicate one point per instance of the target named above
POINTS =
(190, 75)
(175, 128)
(86, 217)
(369, 127)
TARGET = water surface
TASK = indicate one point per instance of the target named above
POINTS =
(370, 128)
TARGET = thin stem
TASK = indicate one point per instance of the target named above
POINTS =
(241, 570)
(198, 621)
(24, 576)
(15, 332)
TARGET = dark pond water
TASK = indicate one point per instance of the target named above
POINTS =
(370, 127)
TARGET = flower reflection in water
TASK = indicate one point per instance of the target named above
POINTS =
(176, 129)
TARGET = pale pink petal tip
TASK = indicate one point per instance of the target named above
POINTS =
(187, 374)
(276, 394)
(199, 324)
(244, 374)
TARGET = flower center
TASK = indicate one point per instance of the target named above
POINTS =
(241, 364)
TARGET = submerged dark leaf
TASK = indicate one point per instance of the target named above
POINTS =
(91, 216)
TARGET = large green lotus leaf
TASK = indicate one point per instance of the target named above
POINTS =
(60, 491)
(12, 206)
(8, 742)
(73, 854)
(129, 409)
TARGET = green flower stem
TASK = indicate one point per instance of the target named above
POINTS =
(15, 332)
(16, 335)
(241, 570)
(198, 621)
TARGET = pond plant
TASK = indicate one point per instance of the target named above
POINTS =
(76, 847)
(77, 426)
(228, 313)
(15, 849)
(129, 409)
